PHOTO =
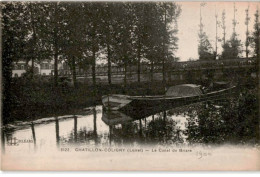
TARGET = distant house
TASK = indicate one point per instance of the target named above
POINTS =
(46, 68)
(19, 68)
(64, 69)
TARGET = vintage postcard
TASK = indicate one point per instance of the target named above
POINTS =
(133, 86)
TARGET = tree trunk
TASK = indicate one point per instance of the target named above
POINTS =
(163, 71)
(164, 49)
(55, 64)
(34, 52)
(152, 71)
(109, 64)
(32, 69)
(125, 72)
(216, 42)
(7, 96)
(257, 78)
(73, 71)
(93, 63)
(55, 38)
(257, 46)
(139, 60)
(164, 116)
(34, 40)
(93, 66)
(169, 74)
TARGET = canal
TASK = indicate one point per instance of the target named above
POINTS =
(205, 123)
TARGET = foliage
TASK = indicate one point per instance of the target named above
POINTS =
(256, 35)
(232, 49)
(79, 33)
(14, 41)
(205, 49)
(234, 120)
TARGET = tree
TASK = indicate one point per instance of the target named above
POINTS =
(153, 43)
(223, 25)
(247, 32)
(232, 48)
(73, 38)
(108, 26)
(256, 42)
(92, 34)
(140, 31)
(36, 48)
(124, 35)
(205, 49)
(33, 21)
(169, 14)
(14, 36)
(51, 32)
(216, 40)
(256, 36)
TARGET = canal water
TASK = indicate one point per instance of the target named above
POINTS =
(200, 123)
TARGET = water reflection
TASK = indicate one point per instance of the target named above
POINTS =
(33, 133)
(203, 123)
(95, 125)
(2, 140)
(75, 129)
(57, 131)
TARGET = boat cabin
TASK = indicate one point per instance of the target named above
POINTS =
(184, 90)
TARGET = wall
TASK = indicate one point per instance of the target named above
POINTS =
(17, 73)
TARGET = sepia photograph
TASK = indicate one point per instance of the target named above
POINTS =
(130, 85)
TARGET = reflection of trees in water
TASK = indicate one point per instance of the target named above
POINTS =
(33, 133)
(232, 121)
(163, 129)
(57, 130)
(206, 126)
(158, 129)
(83, 135)
(2, 140)
(6, 137)
(126, 133)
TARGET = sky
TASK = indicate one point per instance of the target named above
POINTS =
(188, 24)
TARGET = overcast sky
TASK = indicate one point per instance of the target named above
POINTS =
(188, 24)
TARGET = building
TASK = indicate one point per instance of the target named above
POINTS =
(44, 68)
(19, 68)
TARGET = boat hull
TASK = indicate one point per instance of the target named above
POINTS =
(138, 107)
(142, 108)
(115, 117)
(115, 102)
